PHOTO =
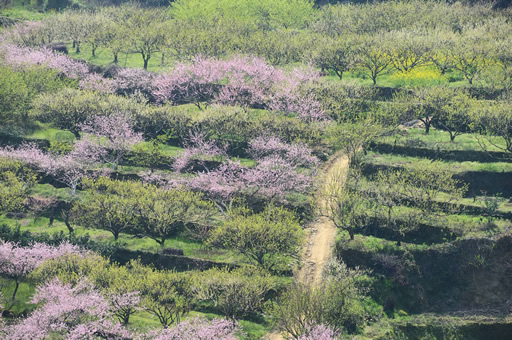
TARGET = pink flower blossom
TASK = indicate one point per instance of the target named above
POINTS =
(95, 82)
(68, 169)
(17, 262)
(281, 169)
(20, 57)
(130, 80)
(297, 154)
(108, 138)
(318, 332)
(79, 312)
(198, 148)
(241, 80)
(197, 329)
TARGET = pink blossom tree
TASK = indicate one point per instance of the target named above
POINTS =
(79, 312)
(197, 329)
(196, 82)
(68, 169)
(240, 80)
(124, 304)
(249, 81)
(197, 147)
(222, 185)
(131, 80)
(108, 138)
(288, 97)
(95, 82)
(281, 168)
(297, 154)
(274, 176)
(17, 262)
(318, 332)
(26, 33)
(21, 57)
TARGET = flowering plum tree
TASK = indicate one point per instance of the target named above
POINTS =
(197, 147)
(318, 332)
(22, 57)
(196, 82)
(68, 169)
(108, 138)
(296, 154)
(197, 329)
(123, 305)
(79, 312)
(281, 168)
(245, 81)
(249, 81)
(130, 80)
(17, 262)
(221, 185)
(95, 82)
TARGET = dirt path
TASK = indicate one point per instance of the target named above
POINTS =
(322, 232)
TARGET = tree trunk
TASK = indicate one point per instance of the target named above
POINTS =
(116, 235)
(77, 47)
(427, 126)
(76, 133)
(52, 217)
(161, 242)
(146, 63)
(93, 51)
(15, 291)
(65, 216)
(116, 60)
(70, 228)
(351, 233)
(374, 78)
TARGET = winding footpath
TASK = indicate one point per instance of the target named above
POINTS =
(321, 234)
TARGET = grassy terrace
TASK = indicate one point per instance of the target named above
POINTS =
(43, 131)
(466, 203)
(416, 137)
(424, 76)
(190, 248)
(141, 320)
(456, 167)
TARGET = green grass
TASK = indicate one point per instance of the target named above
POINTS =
(423, 76)
(190, 248)
(439, 139)
(456, 167)
(23, 296)
(104, 58)
(20, 12)
(469, 202)
(47, 132)
(48, 190)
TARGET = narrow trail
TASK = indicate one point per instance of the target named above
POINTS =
(321, 234)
